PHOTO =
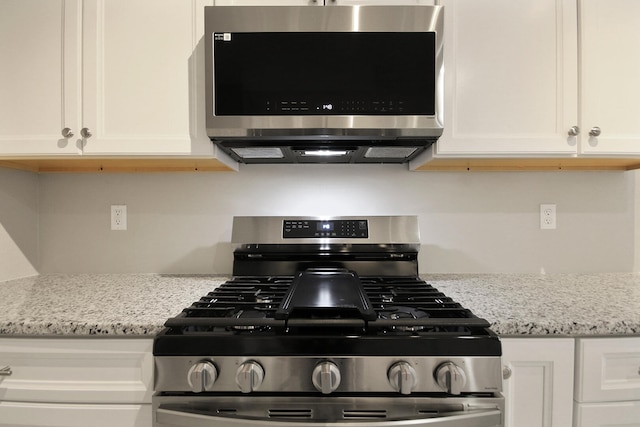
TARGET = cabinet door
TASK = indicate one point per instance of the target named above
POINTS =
(66, 415)
(117, 371)
(608, 369)
(39, 91)
(617, 414)
(510, 78)
(268, 2)
(143, 82)
(538, 389)
(610, 66)
(380, 2)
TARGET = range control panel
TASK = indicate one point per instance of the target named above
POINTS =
(335, 229)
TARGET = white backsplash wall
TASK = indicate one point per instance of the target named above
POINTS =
(470, 222)
(18, 224)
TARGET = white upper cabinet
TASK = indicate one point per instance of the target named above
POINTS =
(540, 78)
(38, 86)
(609, 79)
(381, 2)
(510, 78)
(125, 78)
(268, 2)
(142, 77)
(321, 2)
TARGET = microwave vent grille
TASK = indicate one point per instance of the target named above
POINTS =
(389, 152)
(259, 152)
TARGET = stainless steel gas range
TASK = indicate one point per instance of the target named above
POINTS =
(326, 323)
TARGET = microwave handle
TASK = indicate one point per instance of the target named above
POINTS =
(184, 418)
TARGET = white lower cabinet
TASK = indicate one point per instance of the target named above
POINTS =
(20, 414)
(607, 384)
(614, 414)
(538, 384)
(76, 382)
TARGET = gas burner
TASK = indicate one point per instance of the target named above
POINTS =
(263, 298)
(402, 312)
(388, 295)
(249, 314)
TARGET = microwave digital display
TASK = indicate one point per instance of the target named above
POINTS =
(324, 73)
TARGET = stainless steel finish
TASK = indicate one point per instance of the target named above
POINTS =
(332, 388)
(5, 371)
(85, 133)
(595, 131)
(330, 411)
(451, 377)
(402, 377)
(67, 133)
(202, 376)
(358, 374)
(249, 376)
(324, 19)
(382, 230)
(326, 377)
(574, 131)
(507, 372)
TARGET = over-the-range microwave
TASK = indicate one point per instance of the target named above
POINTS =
(303, 84)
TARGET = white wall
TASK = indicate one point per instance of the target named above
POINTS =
(18, 224)
(470, 222)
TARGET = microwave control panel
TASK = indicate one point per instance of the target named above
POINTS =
(333, 229)
(336, 106)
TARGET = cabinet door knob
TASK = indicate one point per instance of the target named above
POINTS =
(86, 133)
(574, 131)
(506, 372)
(6, 371)
(595, 131)
(67, 133)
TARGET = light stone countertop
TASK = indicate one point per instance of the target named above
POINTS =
(139, 304)
(97, 304)
(553, 304)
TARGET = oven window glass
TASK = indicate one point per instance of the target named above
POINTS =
(324, 73)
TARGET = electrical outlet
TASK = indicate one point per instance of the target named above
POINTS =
(118, 217)
(548, 216)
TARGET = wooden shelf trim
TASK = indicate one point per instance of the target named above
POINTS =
(116, 165)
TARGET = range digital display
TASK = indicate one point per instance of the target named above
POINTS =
(337, 229)
(325, 226)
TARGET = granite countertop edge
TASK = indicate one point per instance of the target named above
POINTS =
(137, 305)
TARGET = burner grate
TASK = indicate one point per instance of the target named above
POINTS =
(401, 305)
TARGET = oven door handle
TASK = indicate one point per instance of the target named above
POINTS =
(474, 418)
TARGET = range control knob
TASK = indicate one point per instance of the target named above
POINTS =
(249, 376)
(202, 376)
(450, 377)
(402, 377)
(326, 377)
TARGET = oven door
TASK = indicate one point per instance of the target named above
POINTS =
(261, 411)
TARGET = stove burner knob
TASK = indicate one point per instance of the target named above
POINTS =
(249, 376)
(450, 377)
(402, 377)
(202, 376)
(326, 377)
